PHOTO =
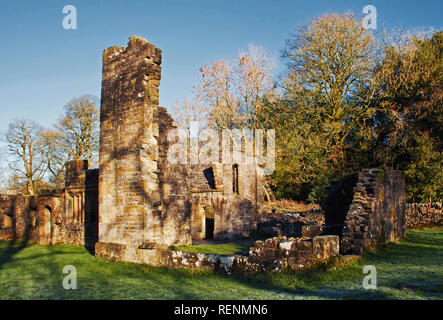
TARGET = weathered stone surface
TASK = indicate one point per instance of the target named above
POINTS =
(289, 224)
(137, 203)
(145, 199)
(67, 216)
(324, 247)
(424, 214)
(272, 255)
(369, 206)
(276, 254)
(311, 230)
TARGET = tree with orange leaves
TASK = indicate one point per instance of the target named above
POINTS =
(231, 94)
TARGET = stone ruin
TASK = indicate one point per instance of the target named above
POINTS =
(367, 209)
(144, 200)
(419, 215)
(68, 215)
(137, 204)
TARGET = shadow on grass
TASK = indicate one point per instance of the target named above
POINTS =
(13, 248)
(37, 273)
(412, 267)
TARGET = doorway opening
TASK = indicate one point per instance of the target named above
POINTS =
(209, 222)
(47, 227)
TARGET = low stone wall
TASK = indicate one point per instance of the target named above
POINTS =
(272, 255)
(292, 224)
(424, 215)
(278, 254)
(6, 217)
(41, 219)
(163, 257)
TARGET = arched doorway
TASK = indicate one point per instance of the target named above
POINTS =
(46, 228)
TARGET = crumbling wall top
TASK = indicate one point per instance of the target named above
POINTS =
(136, 45)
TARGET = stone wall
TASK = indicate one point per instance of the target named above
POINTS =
(289, 224)
(67, 216)
(140, 195)
(6, 217)
(78, 224)
(279, 254)
(235, 212)
(31, 219)
(424, 215)
(373, 213)
(272, 255)
(174, 185)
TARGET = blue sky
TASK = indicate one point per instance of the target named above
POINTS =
(43, 66)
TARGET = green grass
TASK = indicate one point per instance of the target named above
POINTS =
(411, 269)
(224, 248)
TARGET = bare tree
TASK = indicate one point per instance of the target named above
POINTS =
(231, 94)
(3, 172)
(55, 155)
(3, 180)
(186, 111)
(79, 129)
(25, 147)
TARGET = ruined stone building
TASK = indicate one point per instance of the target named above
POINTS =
(368, 207)
(143, 201)
(138, 203)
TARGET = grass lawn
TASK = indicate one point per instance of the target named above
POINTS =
(411, 269)
(236, 247)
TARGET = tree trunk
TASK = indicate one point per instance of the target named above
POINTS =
(30, 187)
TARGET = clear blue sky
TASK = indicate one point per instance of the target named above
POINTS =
(43, 66)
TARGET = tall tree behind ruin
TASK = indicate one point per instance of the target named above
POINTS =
(328, 90)
(75, 136)
(25, 148)
(331, 63)
(410, 134)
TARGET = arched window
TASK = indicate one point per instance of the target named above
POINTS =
(48, 210)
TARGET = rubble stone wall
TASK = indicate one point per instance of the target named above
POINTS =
(424, 215)
(376, 213)
(235, 213)
(295, 224)
(6, 217)
(272, 255)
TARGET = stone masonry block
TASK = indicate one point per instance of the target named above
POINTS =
(324, 247)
